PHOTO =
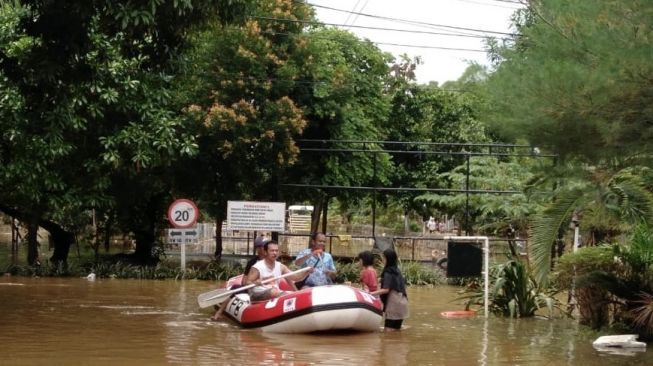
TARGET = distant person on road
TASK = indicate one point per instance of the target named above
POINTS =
(393, 293)
(317, 257)
(432, 225)
(368, 276)
(268, 268)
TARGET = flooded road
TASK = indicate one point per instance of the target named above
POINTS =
(45, 321)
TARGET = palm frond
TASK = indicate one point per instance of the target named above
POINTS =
(632, 198)
(643, 314)
(546, 227)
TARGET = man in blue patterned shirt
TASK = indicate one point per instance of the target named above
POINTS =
(316, 256)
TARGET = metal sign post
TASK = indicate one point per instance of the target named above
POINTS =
(183, 215)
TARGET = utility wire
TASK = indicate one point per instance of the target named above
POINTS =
(360, 26)
(390, 44)
(350, 13)
(359, 10)
(410, 21)
(431, 47)
(495, 5)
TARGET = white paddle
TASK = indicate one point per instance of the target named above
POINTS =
(214, 297)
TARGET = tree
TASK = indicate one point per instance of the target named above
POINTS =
(341, 91)
(87, 103)
(564, 85)
(576, 79)
(429, 115)
(238, 96)
(495, 214)
(609, 202)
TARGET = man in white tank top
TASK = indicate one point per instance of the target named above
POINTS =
(266, 268)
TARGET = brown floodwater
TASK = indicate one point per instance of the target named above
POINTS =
(45, 321)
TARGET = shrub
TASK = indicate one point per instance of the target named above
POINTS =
(513, 292)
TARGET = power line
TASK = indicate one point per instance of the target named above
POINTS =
(361, 9)
(402, 189)
(359, 26)
(515, 3)
(442, 34)
(350, 13)
(392, 44)
(511, 1)
(431, 47)
(411, 21)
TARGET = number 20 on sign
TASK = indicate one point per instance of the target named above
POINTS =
(183, 213)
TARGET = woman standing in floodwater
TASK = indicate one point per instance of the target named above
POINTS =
(393, 293)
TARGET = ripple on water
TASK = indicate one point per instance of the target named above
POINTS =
(153, 312)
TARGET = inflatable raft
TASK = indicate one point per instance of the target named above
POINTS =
(315, 309)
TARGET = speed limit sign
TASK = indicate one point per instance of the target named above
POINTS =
(183, 213)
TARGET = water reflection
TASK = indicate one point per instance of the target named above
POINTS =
(325, 348)
(483, 359)
(127, 322)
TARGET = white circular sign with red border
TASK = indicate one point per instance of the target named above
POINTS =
(183, 213)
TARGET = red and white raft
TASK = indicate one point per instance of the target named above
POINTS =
(316, 309)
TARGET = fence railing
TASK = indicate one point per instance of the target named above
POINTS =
(415, 248)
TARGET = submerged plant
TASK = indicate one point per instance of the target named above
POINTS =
(514, 292)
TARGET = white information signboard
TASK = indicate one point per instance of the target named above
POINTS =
(256, 216)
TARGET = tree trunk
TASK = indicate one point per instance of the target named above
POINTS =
(32, 243)
(108, 228)
(218, 238)
(32, 221)
(144, 243)
(145, 231)
(325, 215)
(317, 212)
(62, 240)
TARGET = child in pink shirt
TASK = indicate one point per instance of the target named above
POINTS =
(368, 275)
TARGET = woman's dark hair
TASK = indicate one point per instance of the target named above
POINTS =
(390, 258)
(366, 257)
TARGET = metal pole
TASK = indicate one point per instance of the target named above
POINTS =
(413, 254)
(467, 199)
(374, 198)
(14, 241)
(571, 300)
(325, 209)
(183, 253)
(486, 274)
(576, 236)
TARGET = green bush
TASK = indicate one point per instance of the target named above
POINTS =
(583, 262)
(513, 292)
(613, 284)
(415, 273)
(107, 269)
(110, 267)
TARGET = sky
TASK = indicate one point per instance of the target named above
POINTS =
(437, 64)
